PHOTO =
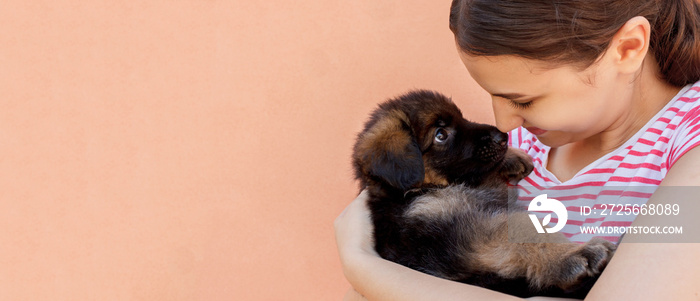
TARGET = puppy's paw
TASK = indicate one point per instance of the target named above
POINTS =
(516, 165)
(581, 267)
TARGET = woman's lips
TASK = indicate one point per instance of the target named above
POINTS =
(535, 131)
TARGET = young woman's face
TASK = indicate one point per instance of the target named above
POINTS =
(559, 105)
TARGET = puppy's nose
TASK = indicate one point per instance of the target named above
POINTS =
(499, 138)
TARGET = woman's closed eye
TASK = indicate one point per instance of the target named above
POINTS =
(516, 100)
(520, 104)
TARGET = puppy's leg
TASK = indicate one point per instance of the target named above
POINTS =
(550, 260)
(516, 165)
(554, 261)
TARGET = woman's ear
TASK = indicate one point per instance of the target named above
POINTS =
(630, 44)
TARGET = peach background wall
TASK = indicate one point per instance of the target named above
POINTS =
(196, 149)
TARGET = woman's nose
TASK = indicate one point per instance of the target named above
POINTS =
(507, 117)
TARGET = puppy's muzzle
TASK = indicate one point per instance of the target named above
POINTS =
(493, 147)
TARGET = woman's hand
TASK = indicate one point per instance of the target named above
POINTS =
(353, 233)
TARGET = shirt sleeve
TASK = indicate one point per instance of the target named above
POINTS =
(687, 134)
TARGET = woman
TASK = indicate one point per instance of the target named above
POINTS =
(600, 91)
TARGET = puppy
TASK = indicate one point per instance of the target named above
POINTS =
(438, 195)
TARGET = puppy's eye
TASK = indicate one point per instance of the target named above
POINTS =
(441, 135)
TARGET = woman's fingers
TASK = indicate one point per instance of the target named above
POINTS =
(353, 227)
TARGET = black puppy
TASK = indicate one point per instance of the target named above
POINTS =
(438, 194)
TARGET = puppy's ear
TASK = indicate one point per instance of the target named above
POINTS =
(401, 166)
(387, 150)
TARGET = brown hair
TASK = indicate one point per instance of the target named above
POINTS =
(579, 32)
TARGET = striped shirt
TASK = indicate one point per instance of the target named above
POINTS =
(596, 196)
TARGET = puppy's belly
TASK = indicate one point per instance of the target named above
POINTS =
(451, 226)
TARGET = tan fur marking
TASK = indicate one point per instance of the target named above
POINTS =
(433, 177)
(493, 253)
(425, 138)
(442, 203)
(386, 135)
(383, 131)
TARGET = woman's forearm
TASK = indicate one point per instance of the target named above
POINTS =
(379, 279)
